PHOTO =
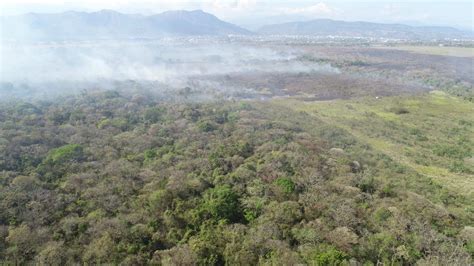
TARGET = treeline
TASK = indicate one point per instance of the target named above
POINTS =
(109, 178)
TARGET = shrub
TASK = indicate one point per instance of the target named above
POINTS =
(23, 242)
(159, 200)
(154, 114)
(250, 215)
(222, 203)
(382, 214)
(110, 94)
(399, 110)
(358, 63)
(178, 255)
(52, 254)
(100, 250)
(206, 126)
(119, 123)
(367, 185)
(253, 208)
(67, 153)
(454, 152)
(327, 255)
(470, 247)
(60, 161)
(418, 134)
(150, 155)
(459, 167)
(286, 184)
(388, 190)
(379, 247)
(343, 238)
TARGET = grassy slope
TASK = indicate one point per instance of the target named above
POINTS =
(419, 139)
(437, 50)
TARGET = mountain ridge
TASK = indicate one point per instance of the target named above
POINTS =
(322, 27)
(106, 24)
(111, 24)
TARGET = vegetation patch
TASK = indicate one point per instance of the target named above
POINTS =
(279, 182)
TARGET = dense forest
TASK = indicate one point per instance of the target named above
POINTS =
(125, 178)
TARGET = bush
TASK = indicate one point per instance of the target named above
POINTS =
(154, 114)
(454, 152)
(60, 161)
(327, 255)
(358, 63)
(459, 167)
(418, 134)
(470, 247)
(222, 203)
(150, 154)
(399, 110)
(119, 123)
(382, 214)
(379, 247)
(253, 208)
(67, 153)
(206, 126)
(52, 254)
(110, 94)
(286, 184)
(367, 185)
(388, 190)
(100, 251)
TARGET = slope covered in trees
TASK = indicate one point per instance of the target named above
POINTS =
(116, 178)
(110, 24)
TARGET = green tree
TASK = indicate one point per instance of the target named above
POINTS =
(222, 202)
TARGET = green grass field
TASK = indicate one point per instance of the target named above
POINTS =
(437, 50)
(431, 134)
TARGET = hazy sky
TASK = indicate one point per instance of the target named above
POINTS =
(457, 13)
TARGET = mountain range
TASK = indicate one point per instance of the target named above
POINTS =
(109, 24)
(324, 27)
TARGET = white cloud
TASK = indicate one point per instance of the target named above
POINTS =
(392, 10)
(246, 4)
(91, 4)
(238, 4)
(317, 9)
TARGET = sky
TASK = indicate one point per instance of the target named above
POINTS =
(255, 13)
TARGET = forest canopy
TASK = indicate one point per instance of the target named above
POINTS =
(111, 177)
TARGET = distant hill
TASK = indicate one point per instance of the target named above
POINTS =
(325, 27)
(108, 24)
